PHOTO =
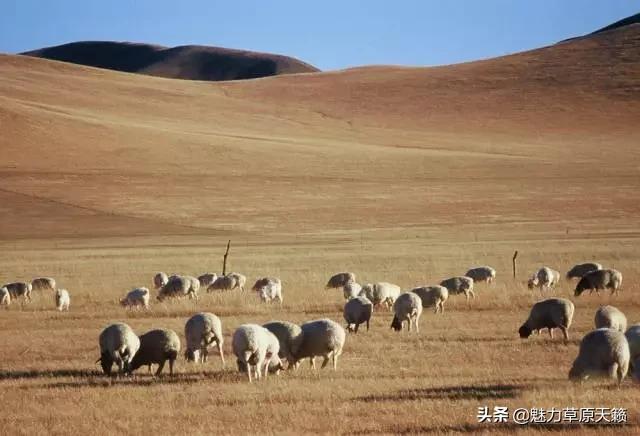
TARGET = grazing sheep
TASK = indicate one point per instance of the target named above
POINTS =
(550, 314)
(62, 300)
(138, 297)
(633, 338)
(340, 279)
(19, 289)
(603, 352)
(5, 297)
(482, 274)
(381, 293)
(357, 311)
(582, 269)
(432, 296)
(610, 317)
(599, 280)
(202, 330)
(194, 287)
(118, 344)
(322, 337)
(544, 278)
(157, 346)
(408, 307)
(289, 336)
(351, 290)
(207, 279)
(43, 283)
(268, 289)
(459, 285)
(255, 347)
(238, 280)
(176, 287)
(159, 280)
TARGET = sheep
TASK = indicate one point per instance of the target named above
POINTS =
(599, 280)
(381, 293)
(351, 290)
(340, 279)
(322, 337)
(408, 307)
(482, 274)
(159, 280)
(176, 287)
(43, 283)
(610, 317)
(580, 270)
(207, 279)
(550, 314)
(238, 280)
(19, 289)
(459, 285)
(62, 300)
(5, 297)
(194, 287)
(118, 344)
(138, 297)
(268, 289)
(603, 351)
(255, 347)
(633, 338)
(289, 336)
(357, 310)
(157, 346)
(544, 278)
(433, 296)
(202, 330)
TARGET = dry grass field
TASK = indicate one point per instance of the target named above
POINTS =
(407, 175)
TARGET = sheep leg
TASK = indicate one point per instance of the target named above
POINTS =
(367, 325)
(355, 330)
(160, 367)
(325, 361)
(565, 333)
(417, 328)
(312, 361)
(249, 369)
(171, 362)
(550, 332)
(221, 354)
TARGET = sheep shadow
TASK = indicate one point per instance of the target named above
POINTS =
(47, 373)
(470, 392)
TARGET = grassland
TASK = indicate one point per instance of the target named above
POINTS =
(402, 175)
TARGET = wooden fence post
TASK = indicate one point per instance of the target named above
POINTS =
(224, 259)
(515, 255)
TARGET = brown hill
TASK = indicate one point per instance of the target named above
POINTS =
(546, 136)
(191, 62)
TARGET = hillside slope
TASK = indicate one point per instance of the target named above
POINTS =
(193, 62)
(547, 136)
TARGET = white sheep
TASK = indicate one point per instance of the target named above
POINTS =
(207, 279)
(381, 293)
(289, 336)
(545, 279)
(43, 283)
(159, 280)
(228, 282)
(138, 297)
(351, 290)
(408, 307)
(19, 290)
(194, 287)
(550, 314)
(610, 317)
(482, 274)
(459, 285)
(201, 331)
(268, 289)
(340, 279)
(255, 347)
(580, 270)
(157, 346)
(357, 311)
(322, 337)
(633, 338)
(5, 297)
(238, 280)
(599, 280)
(62, 300)
(432, 296)
(603, 352)
(176, 287)
(118, 344)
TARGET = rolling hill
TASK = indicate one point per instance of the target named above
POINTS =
(545, 137)
(192, 62)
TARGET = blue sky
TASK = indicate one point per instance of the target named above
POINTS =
(329, 34)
